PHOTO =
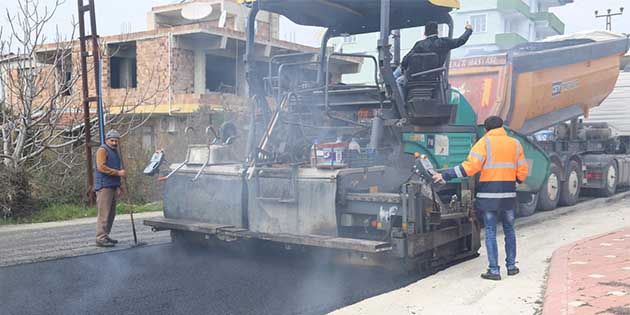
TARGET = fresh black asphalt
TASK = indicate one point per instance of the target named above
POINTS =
(168, 279)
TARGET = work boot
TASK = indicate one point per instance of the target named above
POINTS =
(513, 271)
(488, 275)
(112, 240)
(105, 243)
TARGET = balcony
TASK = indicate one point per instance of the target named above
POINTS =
(553, 3)
(514, 6)
(509, 40)
(550, 21)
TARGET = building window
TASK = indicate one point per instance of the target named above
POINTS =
(350, 39)
(443, 30)
(123, 65)
(478, 23)
(168, 124)
(64, 74)
(148, 138)
(220, 74)
(66, 82)
(507, 26)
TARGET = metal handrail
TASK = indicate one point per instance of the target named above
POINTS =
(271, 61)
(327, 78)
(294, 64)
(417, 74)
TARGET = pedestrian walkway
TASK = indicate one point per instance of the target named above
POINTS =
(590, 276)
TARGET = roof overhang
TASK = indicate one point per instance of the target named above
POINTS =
(360, 16)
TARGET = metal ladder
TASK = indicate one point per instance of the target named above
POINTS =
(84, 53)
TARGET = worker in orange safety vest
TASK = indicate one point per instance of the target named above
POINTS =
(502, 164)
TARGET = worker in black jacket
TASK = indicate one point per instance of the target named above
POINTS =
(432, 44)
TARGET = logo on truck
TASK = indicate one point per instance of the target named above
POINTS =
(557, 87)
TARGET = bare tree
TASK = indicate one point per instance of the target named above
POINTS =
(40, 100)
(36, 92)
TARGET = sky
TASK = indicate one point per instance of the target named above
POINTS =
(118, 16)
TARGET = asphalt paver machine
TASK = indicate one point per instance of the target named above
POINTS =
(340, 167)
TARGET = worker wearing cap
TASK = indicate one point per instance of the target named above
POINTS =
(502, 164)
(107, 184)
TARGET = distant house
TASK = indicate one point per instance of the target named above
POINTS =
(501, 24)
(497, 24)
(179, 69)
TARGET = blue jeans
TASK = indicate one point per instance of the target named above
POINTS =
(490, 221)
(401, 80)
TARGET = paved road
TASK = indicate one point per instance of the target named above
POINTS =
(166, 279)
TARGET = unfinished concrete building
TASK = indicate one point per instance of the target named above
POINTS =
(181, 70)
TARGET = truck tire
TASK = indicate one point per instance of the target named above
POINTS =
(549, 194)
(610, 182)
(571, 187)
(526, 205)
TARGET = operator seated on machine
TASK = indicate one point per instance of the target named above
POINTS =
(431, 44)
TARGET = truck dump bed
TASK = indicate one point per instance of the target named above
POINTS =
(615, 110)
(537, 85)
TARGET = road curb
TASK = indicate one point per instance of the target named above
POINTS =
(90, 220)
(591, 204)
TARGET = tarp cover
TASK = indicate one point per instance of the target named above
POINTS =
(357, 16)
(597, 36)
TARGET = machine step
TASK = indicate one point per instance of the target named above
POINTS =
(331, 242)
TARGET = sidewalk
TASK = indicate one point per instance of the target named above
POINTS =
(590, 276)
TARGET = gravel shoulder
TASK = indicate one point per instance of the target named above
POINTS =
(27, 243)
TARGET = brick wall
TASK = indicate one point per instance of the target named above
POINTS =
(183, 70)
(152, 76)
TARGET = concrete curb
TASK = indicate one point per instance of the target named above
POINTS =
(90, 220)
(591, 204)
(556, 296)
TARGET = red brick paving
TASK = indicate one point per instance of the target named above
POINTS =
(590, 276)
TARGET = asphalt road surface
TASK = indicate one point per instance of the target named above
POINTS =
(167, 279)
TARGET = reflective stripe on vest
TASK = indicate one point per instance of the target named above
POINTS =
(477, 155)
(503, 195)
(458, 171)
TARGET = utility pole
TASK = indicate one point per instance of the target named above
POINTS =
(85, 47)
(608, 17)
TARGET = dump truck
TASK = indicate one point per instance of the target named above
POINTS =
(543, 90)
(337, 167)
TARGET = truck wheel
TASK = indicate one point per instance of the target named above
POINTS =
(549, 194)
(526, 204)
(610, 181)
(570, 191)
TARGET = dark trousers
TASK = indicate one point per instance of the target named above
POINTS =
(106, 203)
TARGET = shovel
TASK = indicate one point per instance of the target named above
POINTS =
(133, 223)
